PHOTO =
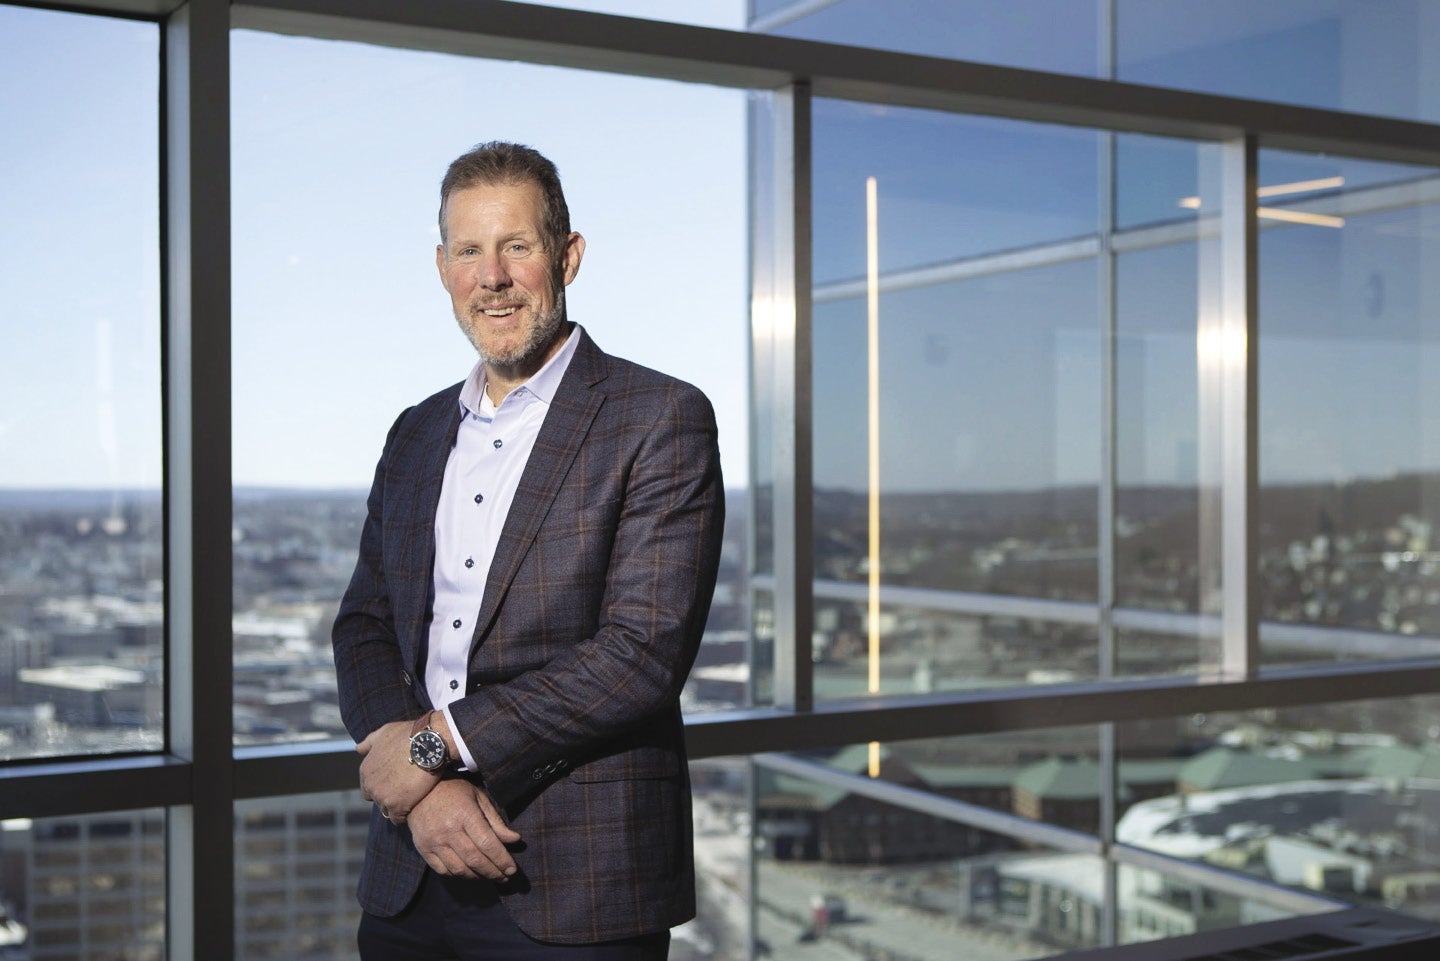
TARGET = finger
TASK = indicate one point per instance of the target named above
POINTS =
(492, 813)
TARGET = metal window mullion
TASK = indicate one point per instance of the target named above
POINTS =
(791, 304)
(196, 223)
(1239, 329)
(1109, 754)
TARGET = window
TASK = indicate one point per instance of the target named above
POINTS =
(1018, 587)
(81, 582)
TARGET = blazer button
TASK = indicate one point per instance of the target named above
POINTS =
(537, 774)
(405, 676)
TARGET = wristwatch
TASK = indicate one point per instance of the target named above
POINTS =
(427, 747)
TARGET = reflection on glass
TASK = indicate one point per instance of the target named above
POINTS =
(989, 434)
(1349, 451)
(351, 332)
(925, 649)
(1154, 177)
(1155, 905)
(81, 538)
(950, 187)
(1049, 775)
(1141, 652)
(91, 886)
(1339, 800)
(879, 880)
(1292, 51)
(1158, 430)
(1055, 35)
(720, 931)
(297, 861)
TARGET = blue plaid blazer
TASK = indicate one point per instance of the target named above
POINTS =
(594, 608)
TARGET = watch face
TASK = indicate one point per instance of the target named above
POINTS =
(427, 750)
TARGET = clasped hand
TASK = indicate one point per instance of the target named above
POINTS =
(386, 775)
(454, 824)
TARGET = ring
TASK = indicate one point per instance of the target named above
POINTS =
(384, 813)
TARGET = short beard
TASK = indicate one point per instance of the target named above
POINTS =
(529, 354)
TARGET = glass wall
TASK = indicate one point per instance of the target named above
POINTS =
(90, 887)
(81, 566)
(334, 259)
(1349, 449)
(1020, 482)
(1337, 798)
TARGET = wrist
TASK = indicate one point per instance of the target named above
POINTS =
(428, 749)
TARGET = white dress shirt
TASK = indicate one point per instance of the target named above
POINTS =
(481, 477)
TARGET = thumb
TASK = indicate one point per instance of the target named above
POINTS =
(492, 813)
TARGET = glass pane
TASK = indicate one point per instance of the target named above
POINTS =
(1157, 181)
(721, 929)
(1349, 447)
(917, 650)
(877, 880)
(81, 537)
(727, 14)
(1315, 53)
(1140, 652)
(1061, 36)
(1166, 397)
(297, 862)
(90, 887)
(1334, 799)
(989, 435)
(1154, 905)
(949, 188)
(322, 277)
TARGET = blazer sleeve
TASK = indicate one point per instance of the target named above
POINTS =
(658, 586)
(368, 666)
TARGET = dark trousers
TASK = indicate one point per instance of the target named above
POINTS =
(453, 919)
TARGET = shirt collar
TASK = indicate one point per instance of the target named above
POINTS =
(543, 384)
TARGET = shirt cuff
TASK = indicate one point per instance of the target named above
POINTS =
(467, 760)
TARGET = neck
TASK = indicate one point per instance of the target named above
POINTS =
(501, 379)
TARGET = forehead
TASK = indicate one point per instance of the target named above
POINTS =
(505, 206)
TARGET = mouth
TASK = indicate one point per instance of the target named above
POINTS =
(499, 311)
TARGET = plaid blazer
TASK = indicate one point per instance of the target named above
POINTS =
(592, 613)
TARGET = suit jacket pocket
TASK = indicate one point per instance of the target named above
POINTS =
(640, 762)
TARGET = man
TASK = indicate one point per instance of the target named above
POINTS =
(534, 576)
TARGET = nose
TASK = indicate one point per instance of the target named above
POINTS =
(493, 274)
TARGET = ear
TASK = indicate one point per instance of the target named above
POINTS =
(440, 266)
(571, 256)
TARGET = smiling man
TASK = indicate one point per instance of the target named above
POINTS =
(534, 575)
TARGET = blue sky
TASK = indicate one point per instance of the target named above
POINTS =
(339, 319)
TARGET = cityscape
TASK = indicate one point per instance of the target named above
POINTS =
(1342, 800)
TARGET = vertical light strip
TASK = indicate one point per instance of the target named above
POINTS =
(872, 302)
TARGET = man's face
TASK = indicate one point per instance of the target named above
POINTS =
(506, 286)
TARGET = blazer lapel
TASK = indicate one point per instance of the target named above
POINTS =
(566, 424)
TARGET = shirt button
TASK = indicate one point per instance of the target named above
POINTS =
(479, 498)
(455, 623)
(469, 562)
(454, 684)
(499, 443)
